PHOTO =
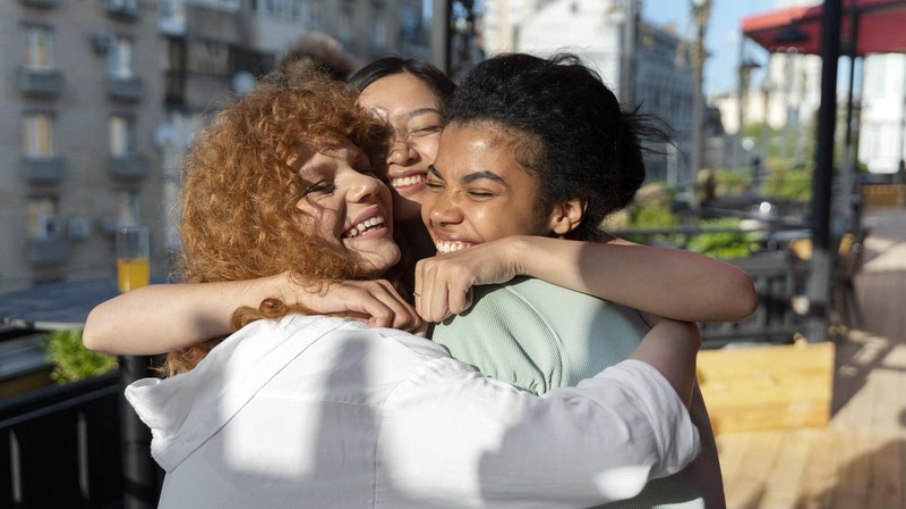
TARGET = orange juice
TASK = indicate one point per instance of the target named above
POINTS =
(132, 273)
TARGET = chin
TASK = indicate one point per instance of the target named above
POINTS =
(375, 264)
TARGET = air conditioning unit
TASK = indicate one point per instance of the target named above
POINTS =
(101, 43)
(78, 228)
(109, 225)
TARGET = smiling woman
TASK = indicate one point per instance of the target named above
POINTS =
(477, 191)
(539, 148)
(288, 161)
(347, 205)
(410, 96)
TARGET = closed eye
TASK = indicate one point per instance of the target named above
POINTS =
(424, 131)
(481, 194)
(323, 187)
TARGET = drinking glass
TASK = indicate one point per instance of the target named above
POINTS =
(132, 269)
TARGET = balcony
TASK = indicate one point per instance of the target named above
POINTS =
(125, 10)
(48, 251)
(128, 166)
(41, 83)
(44, 170)
(124, 89)
(41, 4)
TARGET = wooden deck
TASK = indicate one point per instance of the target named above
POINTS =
(859, 459)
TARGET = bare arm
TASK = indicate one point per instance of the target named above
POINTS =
(671, 347)
(161, 318)
(665, 282)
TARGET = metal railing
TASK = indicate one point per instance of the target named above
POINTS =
(60, 446)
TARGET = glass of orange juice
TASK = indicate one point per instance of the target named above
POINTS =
(132, 269)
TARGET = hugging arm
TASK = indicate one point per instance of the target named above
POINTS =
(671, 283)
(602, 440)
(161, 318)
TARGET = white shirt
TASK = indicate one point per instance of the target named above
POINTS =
(326, 413)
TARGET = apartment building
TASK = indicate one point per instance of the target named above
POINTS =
(661, 70)
(81, 96)
(101, 98)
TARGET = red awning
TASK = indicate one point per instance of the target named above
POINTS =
(882, 27)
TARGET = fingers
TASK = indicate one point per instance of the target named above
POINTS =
(386, 308)
(443, 288)
(376, 302)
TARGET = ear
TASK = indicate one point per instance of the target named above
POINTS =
(566, 216)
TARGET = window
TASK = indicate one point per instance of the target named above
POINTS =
(311, 14)
(119, 58)
(120, 129)
(43, 218)
(208, 57)
(38, 48)
(37, 135)
(123, 5)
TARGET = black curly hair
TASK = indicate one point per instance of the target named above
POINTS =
(575, 138)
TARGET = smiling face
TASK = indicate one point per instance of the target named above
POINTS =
(345, 204)
(478, 192)
(414, 114)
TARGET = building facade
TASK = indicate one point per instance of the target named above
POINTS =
(81, 99)
(660, 70)
(882, 137)
(102, 98)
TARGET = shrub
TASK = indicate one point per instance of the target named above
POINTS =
(71, 360)
(727, 245)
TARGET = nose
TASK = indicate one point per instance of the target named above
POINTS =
(363, 187)
(442, 209)
(401, 152)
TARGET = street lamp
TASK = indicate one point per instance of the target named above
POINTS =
(701, 12)
(746, 66)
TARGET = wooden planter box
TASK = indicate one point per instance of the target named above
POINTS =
(767, 387)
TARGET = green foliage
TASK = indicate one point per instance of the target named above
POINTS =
(71, 360)
(732, 182)
(654, 216)
(788, 183)
(726, 245)
(650, 209)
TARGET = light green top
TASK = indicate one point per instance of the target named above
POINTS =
(539, 337)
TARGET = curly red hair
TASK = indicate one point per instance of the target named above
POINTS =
(239, 214)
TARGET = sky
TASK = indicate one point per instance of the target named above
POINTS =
(721, 39)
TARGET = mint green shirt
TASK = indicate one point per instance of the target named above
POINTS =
(539, 336)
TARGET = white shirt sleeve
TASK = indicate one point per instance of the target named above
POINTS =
(451, 436)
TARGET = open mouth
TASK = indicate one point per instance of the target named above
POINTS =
(363, 227)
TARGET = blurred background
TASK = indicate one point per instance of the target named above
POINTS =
(101, 98)
(779, 163)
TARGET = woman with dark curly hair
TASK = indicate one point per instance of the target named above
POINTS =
(318, 411)
(536, 151)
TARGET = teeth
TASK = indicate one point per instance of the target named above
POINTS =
(448, 247)
(358, 229)
(408, 181)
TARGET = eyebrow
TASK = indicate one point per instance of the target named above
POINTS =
(434, 171)
(478, 175)
(471, 177)
(423, 111)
